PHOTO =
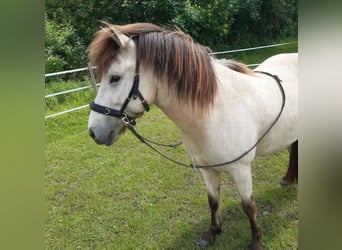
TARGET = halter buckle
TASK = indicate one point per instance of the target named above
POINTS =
(128, 121)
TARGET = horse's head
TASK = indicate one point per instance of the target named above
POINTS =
(174, 69)
(121, 96)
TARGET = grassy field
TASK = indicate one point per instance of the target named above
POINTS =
(127, 197)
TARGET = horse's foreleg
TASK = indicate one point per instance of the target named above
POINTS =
(292, 171)
(250, 209)
(212, 180)
(243, 178)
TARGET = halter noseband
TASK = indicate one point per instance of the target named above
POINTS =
(134, 93)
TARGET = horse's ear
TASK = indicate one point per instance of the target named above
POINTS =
(120, 39)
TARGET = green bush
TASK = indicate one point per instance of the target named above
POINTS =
(63, 47)
(219, 24)
(258, 22)
(208, 22)
(53, 64)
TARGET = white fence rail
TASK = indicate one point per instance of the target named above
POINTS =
(66, 72)
(68, 91)
(253, 48)
(94, 84)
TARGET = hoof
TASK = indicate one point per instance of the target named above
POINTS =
(255, 246)
(206, 239)
(284, 183)
(203, 243)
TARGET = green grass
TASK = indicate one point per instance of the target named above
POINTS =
(66, 101)
(127, 197)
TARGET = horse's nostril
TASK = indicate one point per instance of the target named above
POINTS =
(91, 133)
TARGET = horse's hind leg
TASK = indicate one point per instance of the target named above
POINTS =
(212, 181)
(243, 178)
(292, 171)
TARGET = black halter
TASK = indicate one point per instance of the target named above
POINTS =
(134, 93)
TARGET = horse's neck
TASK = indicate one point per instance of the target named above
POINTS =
(182, 113)
(190, 122)
(194, 128)
(179, 112)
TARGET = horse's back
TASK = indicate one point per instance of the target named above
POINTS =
(284, 133)
(285, 66)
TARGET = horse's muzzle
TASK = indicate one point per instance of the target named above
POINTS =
(103, 140)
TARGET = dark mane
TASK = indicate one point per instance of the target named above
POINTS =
(169, 53)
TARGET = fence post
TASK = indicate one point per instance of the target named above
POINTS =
(92, 77)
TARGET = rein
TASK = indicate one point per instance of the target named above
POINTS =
(130, 122)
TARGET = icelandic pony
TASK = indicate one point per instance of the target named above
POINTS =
(221, 107)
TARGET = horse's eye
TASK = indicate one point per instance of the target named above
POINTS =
(114, 78)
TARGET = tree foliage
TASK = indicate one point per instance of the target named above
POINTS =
(219, 24)
(207, 21)
(64, 49)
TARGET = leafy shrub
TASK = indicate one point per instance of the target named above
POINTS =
(219, 24)
(63, 48)
(53, 64)
(207, 21)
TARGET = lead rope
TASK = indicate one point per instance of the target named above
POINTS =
(195, 166)
(144, 140)
(175, 145)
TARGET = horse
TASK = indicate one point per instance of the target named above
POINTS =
(227, 113)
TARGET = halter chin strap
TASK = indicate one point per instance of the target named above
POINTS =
(133, 93)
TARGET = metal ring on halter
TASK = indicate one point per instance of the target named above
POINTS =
(107, 111)
(125, 119)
